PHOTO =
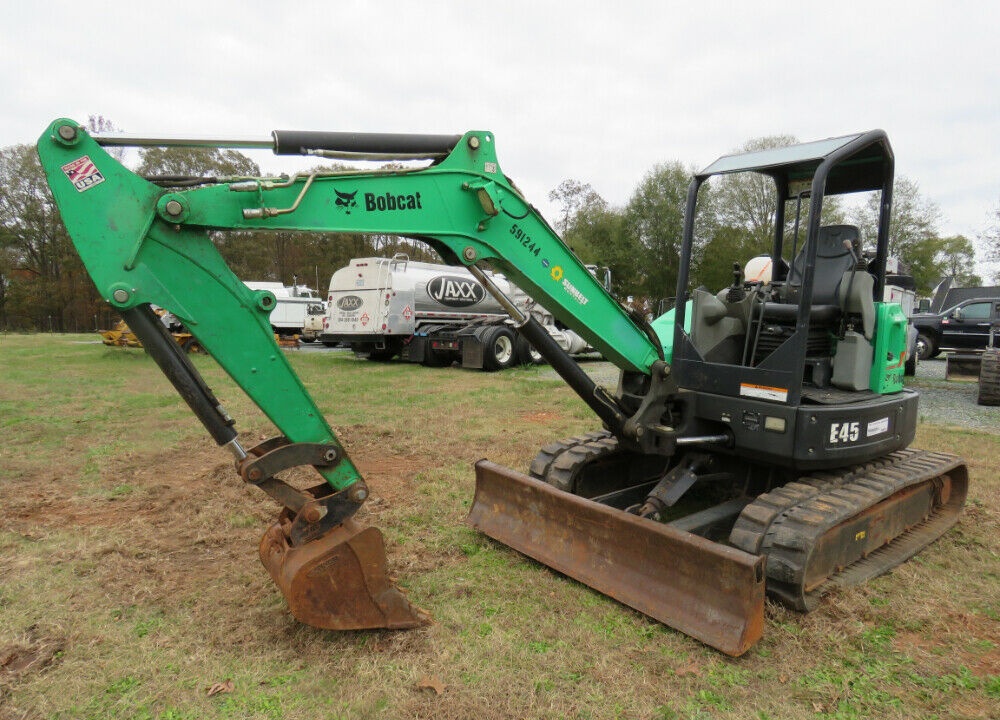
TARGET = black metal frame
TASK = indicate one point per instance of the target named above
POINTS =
(863, 163)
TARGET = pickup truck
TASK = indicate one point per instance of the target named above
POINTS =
(965, 326)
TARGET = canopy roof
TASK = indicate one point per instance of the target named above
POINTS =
(862, 161)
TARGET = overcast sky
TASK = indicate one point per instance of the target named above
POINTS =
(594, 91)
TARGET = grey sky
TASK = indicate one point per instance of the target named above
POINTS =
(594, 91)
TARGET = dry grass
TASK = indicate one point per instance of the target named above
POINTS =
(130, 582)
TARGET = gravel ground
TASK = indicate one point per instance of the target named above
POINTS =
(952, 403)
(942, 402)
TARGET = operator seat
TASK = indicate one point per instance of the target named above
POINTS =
(833, 259)
(842, 291)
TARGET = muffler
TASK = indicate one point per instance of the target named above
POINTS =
(709, 591)
(338, 581)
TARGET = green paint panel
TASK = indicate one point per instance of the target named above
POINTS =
(890, 348)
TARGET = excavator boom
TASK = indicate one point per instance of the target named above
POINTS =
(147, 244)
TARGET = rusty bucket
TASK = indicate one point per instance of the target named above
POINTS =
(338, 581)
(709, 591)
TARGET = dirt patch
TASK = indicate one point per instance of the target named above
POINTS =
(184, 517)
(32, 654)
(933, 644)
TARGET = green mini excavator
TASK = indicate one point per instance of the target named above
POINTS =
(757, 440)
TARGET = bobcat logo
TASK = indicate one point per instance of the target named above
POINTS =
(346, 200)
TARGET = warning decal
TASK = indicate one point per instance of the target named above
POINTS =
(83, 173)
(763, 392)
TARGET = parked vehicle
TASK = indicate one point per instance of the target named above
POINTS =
(963, 327)
(432, 314)
(295, 304)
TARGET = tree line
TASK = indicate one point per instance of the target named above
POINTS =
(43, 285)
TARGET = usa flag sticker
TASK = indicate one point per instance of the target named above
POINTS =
(83, 173)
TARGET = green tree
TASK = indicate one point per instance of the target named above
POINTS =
(653, 224)
(747, 201)
(573, 196)
(596, 234)
(43, 282)
(195, 162)
(957, 257)
(934, 258)
(913, 219)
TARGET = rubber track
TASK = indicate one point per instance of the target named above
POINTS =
(989, 378)
(786, 523)
(564, 469)
(547, 455)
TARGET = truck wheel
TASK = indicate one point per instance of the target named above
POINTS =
(436, 358)
(193, 347)
(383, 354)
(926, 347)
(989, 378)
(498, 349)
(526, 353)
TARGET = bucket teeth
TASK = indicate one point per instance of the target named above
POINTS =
(338, 581)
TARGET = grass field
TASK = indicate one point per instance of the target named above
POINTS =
(130, 585)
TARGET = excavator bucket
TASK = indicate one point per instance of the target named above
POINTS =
(338, 581)
(709, 591)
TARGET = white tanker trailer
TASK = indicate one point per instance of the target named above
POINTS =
(431, 314)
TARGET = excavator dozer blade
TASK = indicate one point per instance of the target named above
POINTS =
(709, 591)
(338, 581)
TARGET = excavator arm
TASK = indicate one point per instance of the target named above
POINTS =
(147, 243)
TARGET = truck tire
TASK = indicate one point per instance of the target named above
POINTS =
(989, 378)
(526, 353)
(436, 358)
(499, 351)
(193, 347)
(910, 366)
(926, 347)
(376, 354)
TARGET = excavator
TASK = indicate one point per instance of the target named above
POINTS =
(756, 442)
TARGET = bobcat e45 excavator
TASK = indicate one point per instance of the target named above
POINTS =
(763, 448)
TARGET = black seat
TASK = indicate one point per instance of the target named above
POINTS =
(833, 259)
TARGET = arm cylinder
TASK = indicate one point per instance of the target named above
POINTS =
(162, 347)
(569, 370)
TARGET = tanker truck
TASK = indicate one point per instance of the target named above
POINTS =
(432, 314)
